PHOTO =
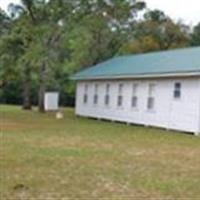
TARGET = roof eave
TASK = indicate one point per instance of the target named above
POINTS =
(163, 75)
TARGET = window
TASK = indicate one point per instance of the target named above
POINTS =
(120, 97)
(95, 99)
(150, 103)
(177, 90)
(151, 90)
(107, 97)
(85, 96)
(134, 96)
(151, 98)
(119, 101)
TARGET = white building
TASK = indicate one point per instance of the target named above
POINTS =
(51, 100)
(159, 89)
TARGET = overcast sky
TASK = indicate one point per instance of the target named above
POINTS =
(187, 11)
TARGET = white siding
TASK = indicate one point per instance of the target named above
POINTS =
(51, 101)
(179, 114)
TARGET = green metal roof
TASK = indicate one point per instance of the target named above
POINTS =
(158, 63)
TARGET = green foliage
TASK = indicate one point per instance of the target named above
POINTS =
(44, 42)
(195, 41)
(157, 32)
(4, 22)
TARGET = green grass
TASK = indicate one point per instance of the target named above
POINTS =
(76, 158)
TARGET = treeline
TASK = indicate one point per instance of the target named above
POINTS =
(43, 42)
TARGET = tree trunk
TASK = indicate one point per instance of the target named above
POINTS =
(27, 90)
(42, 88)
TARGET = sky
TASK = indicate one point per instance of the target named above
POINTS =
(187, 11)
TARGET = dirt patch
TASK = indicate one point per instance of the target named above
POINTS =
(20, 187)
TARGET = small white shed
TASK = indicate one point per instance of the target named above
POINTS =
(51, 100)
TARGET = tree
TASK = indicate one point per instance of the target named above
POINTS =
(5, 23)
(23, 20)
(94, 34)
(157, 32)
(103, 26)
(195, 36)
(58, 37)
(41, 40)
(3, 30)
(10, 50)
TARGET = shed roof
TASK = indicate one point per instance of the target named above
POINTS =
(164, 63)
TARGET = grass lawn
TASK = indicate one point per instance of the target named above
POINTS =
(76, 158)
